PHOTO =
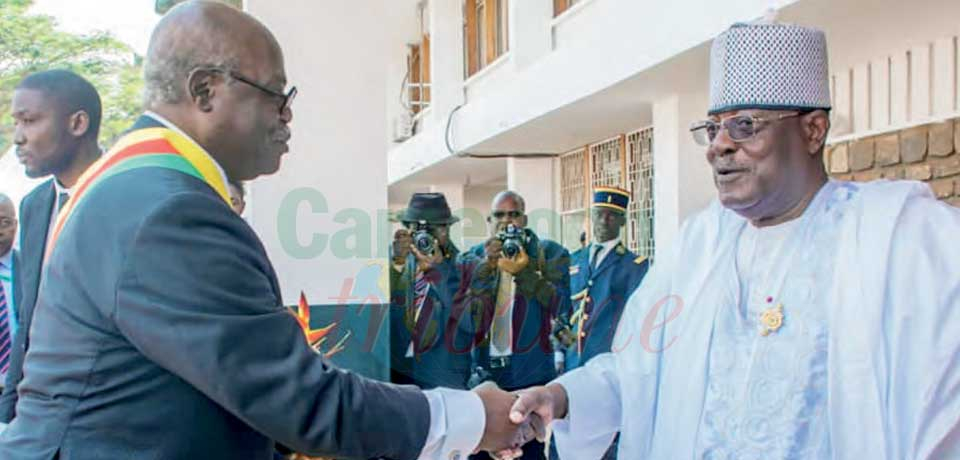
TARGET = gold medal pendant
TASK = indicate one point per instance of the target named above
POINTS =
(771, 320)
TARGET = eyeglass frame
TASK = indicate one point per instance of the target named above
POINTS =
(512, 214)
(756, 120)
(286, 99)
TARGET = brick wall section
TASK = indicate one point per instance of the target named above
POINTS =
(929, 153)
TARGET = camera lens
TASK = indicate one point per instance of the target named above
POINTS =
(511, 248)
(423, 241)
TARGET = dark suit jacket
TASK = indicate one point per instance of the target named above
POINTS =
(436, 362)
(603, 294)
(160, 333)
(35, 212)
(542, 292)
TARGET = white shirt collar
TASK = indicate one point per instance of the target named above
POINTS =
(607, 247)
(6, 260)
(609, 244)
(168, 124)
(61, 189)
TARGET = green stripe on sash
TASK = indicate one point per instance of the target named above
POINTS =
(172, 161)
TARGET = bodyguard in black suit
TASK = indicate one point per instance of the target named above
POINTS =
(56, 117)
(159, 331)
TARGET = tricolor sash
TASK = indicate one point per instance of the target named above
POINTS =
(143, 148)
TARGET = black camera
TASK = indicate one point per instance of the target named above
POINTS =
(562, 333)
(512, 238)
(423, 239)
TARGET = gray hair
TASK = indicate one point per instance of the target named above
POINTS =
(164, 77)
(191, 36)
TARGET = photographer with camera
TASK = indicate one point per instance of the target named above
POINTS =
(423, 281)
(512, 288)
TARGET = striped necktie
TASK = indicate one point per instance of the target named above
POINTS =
(5, 337)
(421, 287)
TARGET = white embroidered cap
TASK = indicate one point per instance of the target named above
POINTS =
(769, 66)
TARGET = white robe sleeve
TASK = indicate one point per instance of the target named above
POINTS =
(895, 337)
(593, 413)
(923, 331)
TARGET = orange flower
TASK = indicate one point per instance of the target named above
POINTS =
(316, 337)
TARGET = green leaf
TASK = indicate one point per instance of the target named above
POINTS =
(31, 43)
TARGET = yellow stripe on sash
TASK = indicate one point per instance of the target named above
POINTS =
(201, 160)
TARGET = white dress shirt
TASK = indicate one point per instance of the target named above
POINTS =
(58, 190)
(606, 247)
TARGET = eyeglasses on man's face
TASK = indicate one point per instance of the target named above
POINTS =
(286, 99)
(740, 128)
(498, 214)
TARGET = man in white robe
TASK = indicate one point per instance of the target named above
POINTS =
(796, 317)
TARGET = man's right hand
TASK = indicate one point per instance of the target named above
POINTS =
(402, 240)
(493, 250)
(501, 434)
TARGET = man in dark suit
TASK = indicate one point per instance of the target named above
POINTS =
(422, 286)
(512, 288)
(602, 277)
(176, 344)
(56, 117)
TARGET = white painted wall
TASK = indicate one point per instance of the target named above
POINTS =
(322, 217)
(473, 226)
(682, 179)
(454, 193)
(403, 29)
(534, 180)
(894, 63)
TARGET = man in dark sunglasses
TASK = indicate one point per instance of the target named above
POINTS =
(797, 316)
(512, 288)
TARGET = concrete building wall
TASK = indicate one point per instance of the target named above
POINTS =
(322, 217)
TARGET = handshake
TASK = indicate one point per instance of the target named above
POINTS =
(516, 418)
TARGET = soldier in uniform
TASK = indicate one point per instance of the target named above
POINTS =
(602, 277)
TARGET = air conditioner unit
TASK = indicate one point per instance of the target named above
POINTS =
(402, 127)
